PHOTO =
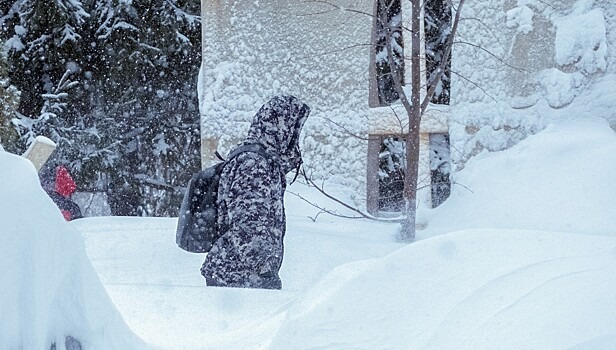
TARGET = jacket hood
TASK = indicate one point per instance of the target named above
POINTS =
(277, 126)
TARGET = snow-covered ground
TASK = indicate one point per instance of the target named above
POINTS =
(49, 292)
(522, 256)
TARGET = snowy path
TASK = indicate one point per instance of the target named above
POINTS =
(352, 289)
(159, 291)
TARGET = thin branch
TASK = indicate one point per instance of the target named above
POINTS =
(493, 55)
(475, 84)
(345, 130)
(327, 53)
(348, 206)
(323, 210)
(400, 120)
(459, 152)
(459, 184)
(485, 26)
(547, 4)
(337, 7)
(314, 219)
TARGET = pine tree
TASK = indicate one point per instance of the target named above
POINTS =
(9, 100)
(41, 37)
(153, 52)
(128, 124)
(42, 42)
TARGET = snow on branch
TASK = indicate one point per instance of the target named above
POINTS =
(47, 122)
(69, 34)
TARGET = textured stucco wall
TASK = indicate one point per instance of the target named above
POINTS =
(253, 50)
(317, 51)
(508, 82)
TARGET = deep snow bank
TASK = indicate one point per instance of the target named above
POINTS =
(49, 288)
(476, 289)
(501, 286)
(561, 179)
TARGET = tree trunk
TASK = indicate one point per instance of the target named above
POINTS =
(407, 232)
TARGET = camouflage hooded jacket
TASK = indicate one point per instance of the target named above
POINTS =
(250, 200)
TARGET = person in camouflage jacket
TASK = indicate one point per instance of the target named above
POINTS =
(251, 213)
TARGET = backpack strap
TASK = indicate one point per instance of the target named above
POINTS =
(255, 148)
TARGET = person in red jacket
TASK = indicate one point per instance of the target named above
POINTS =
(60, 186)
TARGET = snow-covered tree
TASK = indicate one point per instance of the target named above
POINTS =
(152, 56)
(41, 38)
(9, 99)
(42, 42)
(130, 127)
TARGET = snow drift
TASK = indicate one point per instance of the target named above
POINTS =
(50, 292)
(477, 289)
(500, 284)
(490, 271)
(561, 179)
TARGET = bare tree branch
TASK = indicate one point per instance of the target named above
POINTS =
(459, 184)
(493, 55)
(485, 26)
(475, 84)
(456, 149)
(361, 214)
(345, 130)
(314, 219)
(323, 210)
(326, 53)
(547, 4)
(401, 121)
(337, 7)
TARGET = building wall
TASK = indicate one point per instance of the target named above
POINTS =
(319, 52)
(515, 65)
(525, 64)
(253, 50)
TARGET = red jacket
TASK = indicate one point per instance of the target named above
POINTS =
(60, 187)
(65, 186)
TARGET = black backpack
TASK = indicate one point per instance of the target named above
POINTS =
(198, 217)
